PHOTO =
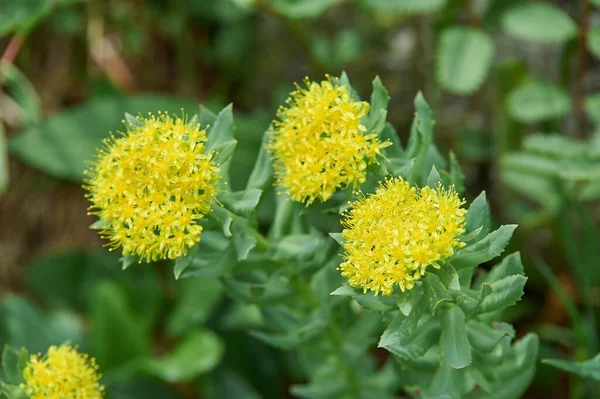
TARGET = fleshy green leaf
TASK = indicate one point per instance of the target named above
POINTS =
(435, 292)
(457, 178)
(117, 335)
(241, 202)
(484, 250)
(536, 101)
(198, 353)
(479, 216)
(587, 368)
(464, 56)
(505, 293)
(262, 173)
(222, 130)
(197, 299)
(214, 257)
(224, 151)
(13, 363)
(433, 178)
(367, 300)
(446, 384)
(454, 342)
(482, 337)
(539, 22)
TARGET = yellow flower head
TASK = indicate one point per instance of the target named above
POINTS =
(393, 235)
(63, 373)
(318, 142)
(151, 186)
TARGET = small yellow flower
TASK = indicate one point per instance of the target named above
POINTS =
(318, 142)
(63, 373)
(393, 235)
(151, 186)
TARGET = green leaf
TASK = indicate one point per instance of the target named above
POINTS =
(420, 139)
(13, 363)
(593, 41)
(241, 202)
(198, 353)
(592, 106)
(463, 59)
(405, 7)
(13, 391)
(196, 301)
(454, 342)
(262, 173)
(510, 266)
(22, 92)
(517, 369)
(446, 384)
(435, 292)
(482, 337)
(24, 325)
(21, 16)
(4, 175)
(479, 216)
(539, 22)
(434, 178)
(484, 250)
(244, 237)
(536, 101)
(367, 300)
(222, 130)
(117, 336)
(587, 368)
(380, 98)
(224, 151)
(457, 178)
(302, 9)
(223, 218)
(297, 247)
(265, 290)
(505, 293)
(214, 257)
(63, 144)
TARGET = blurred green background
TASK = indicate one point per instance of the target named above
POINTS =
(514, 85)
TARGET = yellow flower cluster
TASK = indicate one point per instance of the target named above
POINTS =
(151, 186)
(318, 142)
(393, 235)
(63, 373)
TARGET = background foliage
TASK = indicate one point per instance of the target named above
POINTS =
(514, 87)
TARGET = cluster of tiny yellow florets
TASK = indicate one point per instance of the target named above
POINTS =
(63, 373)
(318, 142)
(151, 186)
(393, 235)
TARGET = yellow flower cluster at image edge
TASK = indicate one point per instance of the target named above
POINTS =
(63, 373)
(151, 186)
(318, 142)
(393, 235)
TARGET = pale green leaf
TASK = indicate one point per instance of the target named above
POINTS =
(536, 101)
(405, 7)
(539, 22)
(454, 342)
(464, 56)
(505, 293)
(587, 368)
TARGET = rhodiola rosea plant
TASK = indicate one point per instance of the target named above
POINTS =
(362, 243)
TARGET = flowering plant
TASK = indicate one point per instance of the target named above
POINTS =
(342, 241)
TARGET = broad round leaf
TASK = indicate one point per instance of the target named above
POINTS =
(406, 7)
(463, 58)
(537, 101)
(592, 107)
(540, 22)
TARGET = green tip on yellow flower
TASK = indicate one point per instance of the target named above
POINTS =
(151, 186)
(393, 235)
(63, 373)
(318, 142)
